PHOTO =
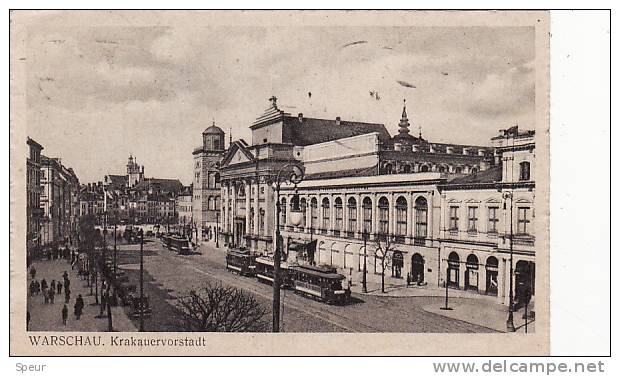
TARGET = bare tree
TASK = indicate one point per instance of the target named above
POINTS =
(384, 252)
(219, 308)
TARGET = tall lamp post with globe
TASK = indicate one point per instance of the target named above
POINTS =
(293, 174)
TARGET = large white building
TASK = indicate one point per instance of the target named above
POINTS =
(444, 207)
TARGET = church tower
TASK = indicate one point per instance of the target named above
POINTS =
(135, 172)
(206, 195)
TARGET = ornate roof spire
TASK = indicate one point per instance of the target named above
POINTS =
(403, 126)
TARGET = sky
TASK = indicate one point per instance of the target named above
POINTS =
(96, 93)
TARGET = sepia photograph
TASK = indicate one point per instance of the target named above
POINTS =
(313, 181)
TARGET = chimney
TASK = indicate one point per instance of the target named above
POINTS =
(300, 116)
(337, 120)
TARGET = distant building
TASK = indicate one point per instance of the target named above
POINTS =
(184, 207)
(34, 213)
(206, 183)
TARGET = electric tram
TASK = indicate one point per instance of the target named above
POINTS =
(240, 261)
(321, 282)
(264, 271)
(180, 244)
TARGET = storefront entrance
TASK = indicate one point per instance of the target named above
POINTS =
(471, 273)
(397, 264)
(491, 282)
(417, 268)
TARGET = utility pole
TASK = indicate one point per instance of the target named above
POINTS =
(446, 307)
(276, 267)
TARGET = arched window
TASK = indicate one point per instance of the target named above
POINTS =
(367, 213)
(217, 180)
(524, 171)
(388, 168)
(337, 215)
(384, 216)
(401, 219)
(458, 170)
(210, 203)
(352, 214)
(421, 214)
(441, 168)
(424, 168)
(407, 169)
(217, 203)
(302, 206)
(282, 212)
(314, 215)
(326, 219)
(474, 170)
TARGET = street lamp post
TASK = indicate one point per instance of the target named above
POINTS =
(295, 177)
(217, 229)
(446, 307)
(510, 326)
(141, 304)
(364, 286)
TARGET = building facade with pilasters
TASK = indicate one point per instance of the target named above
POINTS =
(487, 219)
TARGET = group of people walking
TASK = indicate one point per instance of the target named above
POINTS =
(49, 292)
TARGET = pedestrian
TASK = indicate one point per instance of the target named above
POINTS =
(408, 279)
(67, 283)
(59, 288)
(65, 313)
(78, 306)
(51, 294)
(37, 287)
(43, 284)
(33, 272)
(33, 287)
(65, 275)
(53, 285)
(67, 295)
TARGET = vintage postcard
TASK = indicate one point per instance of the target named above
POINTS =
(279, 183)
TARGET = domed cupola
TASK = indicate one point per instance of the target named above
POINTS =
(213, 138)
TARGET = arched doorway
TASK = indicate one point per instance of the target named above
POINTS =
(491, 269)
(333, 254)
(471, 273)
(524, 282)
(454, 264)
(417, 268)
(397, 264)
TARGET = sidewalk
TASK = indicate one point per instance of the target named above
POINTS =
(47, 317)
(492, 315)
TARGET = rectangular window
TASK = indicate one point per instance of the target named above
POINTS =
(454, 218)
(472, 219)
(523, 221)
(493, 220)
